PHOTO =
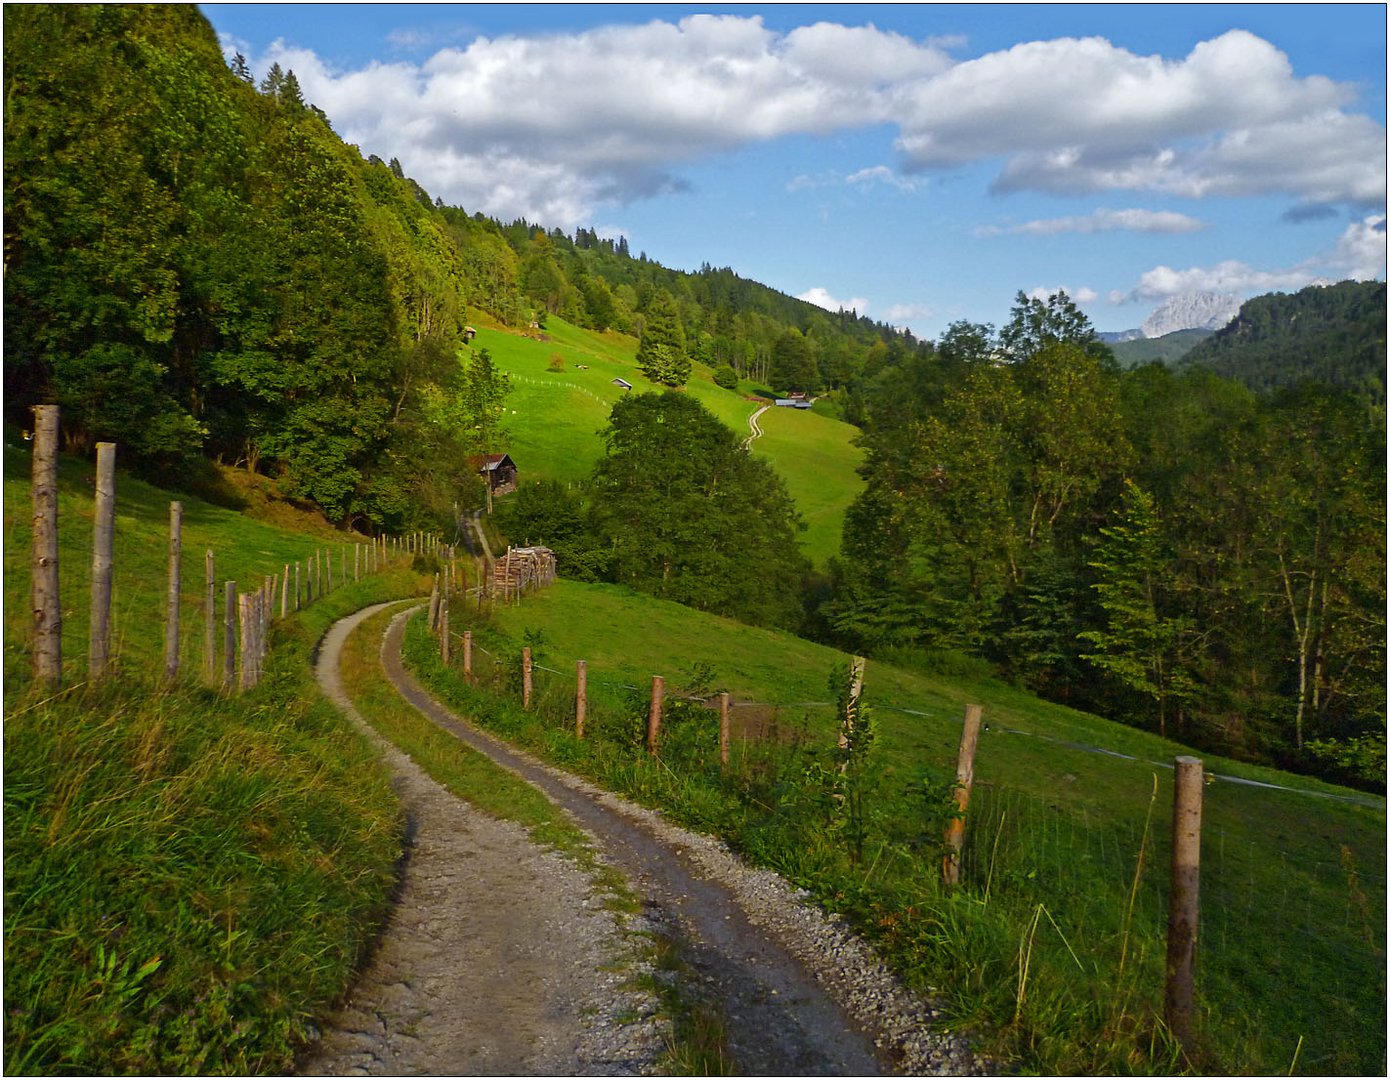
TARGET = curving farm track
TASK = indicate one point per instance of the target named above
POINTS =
(799, 994)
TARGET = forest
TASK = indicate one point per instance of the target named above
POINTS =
(198, 266)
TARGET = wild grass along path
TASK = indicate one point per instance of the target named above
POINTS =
(799, 994)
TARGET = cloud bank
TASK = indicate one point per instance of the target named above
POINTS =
(553, 127)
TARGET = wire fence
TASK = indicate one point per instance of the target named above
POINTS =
(1293, 879)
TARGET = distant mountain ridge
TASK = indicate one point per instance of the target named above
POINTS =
(1192, 311)
(1170, 348)
(1188, 311)
(1332, 334)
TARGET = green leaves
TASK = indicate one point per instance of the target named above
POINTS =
(691, 517)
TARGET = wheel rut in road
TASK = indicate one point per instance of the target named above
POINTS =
(778, 1020)
(798, 993)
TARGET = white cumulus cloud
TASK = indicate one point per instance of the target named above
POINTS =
(1081, 115)
(821, 298)
(555, 126)
(1359, 254)
(1083, 295)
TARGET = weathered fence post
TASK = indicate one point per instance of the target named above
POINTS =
(103, 542)
(210, 617)
(229, 635)
(847, 721)
(444, 631)
(45, 601)
(724, 728)
(965, 776)
(526, 678)
(1183, 898)
(434, 604)
(285, 593)
(654, 716)
(171, 620)
(247, 648)
(356, 563)
(328, 564)
(468, 654)
(581, 696)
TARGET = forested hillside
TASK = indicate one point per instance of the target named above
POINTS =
(197, 265)
(1168, 548)
(1333, 334)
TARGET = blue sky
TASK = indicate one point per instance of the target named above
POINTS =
(920, 163)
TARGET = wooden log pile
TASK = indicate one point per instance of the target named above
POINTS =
(522, 569)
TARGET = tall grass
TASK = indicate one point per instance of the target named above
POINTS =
(1053, 949)
(190, 879)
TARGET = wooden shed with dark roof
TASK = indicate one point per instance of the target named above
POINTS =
(497, 470)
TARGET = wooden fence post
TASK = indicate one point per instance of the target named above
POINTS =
(526, 678)
(724, 729)
(285, 593)
(328, 565)
(654, 716)
(581, 696)
(965, 776)
(229, 636)
(210, 617)
(356, 563)
(434, 604)
(847, 722)
(468, 654)
(103, 542)
(44, 599)
(1183, 898)
(244, 622)
(171, 620)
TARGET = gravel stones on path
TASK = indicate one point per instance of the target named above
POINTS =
(499, 957)
(500, 960)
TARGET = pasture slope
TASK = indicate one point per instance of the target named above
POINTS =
(1067, 807)
(554, 417)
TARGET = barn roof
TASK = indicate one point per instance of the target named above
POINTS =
(491, 462)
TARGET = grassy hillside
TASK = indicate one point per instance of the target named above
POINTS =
(190, 878)
(1046, 946)
(554, 417)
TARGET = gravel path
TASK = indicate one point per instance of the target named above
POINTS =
(798, 992)
(498, 958)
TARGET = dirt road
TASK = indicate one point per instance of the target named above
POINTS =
(799, 994)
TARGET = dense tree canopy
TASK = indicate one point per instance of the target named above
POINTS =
(690, 516)
(1170, 549)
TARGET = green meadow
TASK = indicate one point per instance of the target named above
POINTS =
(555, 414)
(1054, 948)
(191, 877)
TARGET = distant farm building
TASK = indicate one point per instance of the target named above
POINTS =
(498, 470)
(623, 383)
(469, 333)
(793, 401)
